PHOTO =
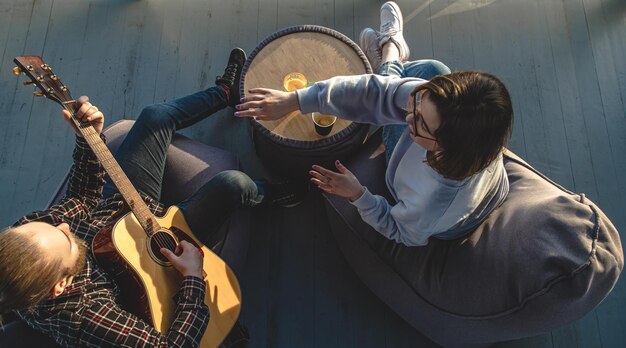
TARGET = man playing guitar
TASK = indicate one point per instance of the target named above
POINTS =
(48, 276)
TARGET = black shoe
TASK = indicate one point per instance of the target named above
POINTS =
(285, 194)
(232, 74)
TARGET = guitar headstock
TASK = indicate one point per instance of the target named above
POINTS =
(42, 77)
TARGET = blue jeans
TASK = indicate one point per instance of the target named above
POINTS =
(143, 153)
(425, 69)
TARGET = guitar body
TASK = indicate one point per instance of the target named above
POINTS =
(148, 282)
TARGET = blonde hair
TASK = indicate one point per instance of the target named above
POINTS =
(27, 274)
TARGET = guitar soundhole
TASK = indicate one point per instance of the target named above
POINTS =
(162, 239)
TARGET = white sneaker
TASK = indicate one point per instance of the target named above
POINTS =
(391, 26)
(368, 41)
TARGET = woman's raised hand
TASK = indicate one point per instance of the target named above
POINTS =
(343, 184)
(267, 104)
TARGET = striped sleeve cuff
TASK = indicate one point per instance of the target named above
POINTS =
(192, 288)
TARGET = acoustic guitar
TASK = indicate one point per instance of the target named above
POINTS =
(129, 248)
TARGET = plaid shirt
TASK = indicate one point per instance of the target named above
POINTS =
(86, 313)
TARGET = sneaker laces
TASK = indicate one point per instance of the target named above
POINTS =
(388, 29)
(229, 73)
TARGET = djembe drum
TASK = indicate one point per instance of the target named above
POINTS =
(290, 146)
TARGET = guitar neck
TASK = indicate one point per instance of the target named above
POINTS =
(117, 175)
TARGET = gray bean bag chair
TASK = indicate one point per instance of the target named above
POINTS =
(190, 164)
(543, 259)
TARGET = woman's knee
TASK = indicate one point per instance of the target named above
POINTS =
(437, 67)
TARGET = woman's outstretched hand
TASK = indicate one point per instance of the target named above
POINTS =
(343, 184)
(267, 104)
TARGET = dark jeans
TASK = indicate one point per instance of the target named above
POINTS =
(143, 153)
(425, 69)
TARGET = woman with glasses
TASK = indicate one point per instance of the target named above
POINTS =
(445, 172)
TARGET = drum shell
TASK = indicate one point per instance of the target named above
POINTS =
(293, 159)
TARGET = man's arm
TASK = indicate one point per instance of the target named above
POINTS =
(105, 324)
(86, 177)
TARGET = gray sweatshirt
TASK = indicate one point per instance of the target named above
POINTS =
(427, 204)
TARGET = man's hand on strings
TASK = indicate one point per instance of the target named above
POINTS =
(86, 112)
(186, 259)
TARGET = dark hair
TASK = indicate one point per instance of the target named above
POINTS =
(476, 120)
(26, 274)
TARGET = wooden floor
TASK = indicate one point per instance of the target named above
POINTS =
(564, 62)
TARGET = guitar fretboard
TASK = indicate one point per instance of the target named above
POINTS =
(117, 175)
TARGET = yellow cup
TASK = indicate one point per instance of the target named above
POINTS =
(293, 81)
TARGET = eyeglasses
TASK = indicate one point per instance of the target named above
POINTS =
(418, 116)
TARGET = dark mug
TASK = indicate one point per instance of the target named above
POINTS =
(323, 123)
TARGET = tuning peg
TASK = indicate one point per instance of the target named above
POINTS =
(46, 67)
(38, 94)
(28, 82)
(17, 70)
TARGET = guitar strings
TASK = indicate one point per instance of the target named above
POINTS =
(160, 238)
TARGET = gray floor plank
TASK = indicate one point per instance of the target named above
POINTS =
(169, 51)
(592, 108)
(366, 14)
(344, 18)
(46, 118)
(295, 12)
(267, 19)
(613, 107)
(524, 89)
(44, 124)
(608, 322)
(577, 141)
(325, 13)
(559, 151)
(296, 276)
(16, 100)
(418, 29)
(102, 52)
(6, 13)
(441, 42)
(549, 127)
(256, 312)
(147, 60)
